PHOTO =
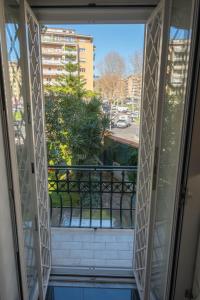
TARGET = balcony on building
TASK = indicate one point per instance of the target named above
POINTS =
(92, 212)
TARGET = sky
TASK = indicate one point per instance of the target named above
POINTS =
(122, 38)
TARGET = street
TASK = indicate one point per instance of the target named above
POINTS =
(130, 133)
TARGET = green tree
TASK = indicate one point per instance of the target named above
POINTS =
(75, 126)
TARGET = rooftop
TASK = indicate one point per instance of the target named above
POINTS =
(65, 32)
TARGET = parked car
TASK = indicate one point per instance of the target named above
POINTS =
(114, 107)
(125, 118)
(129, 102)
(122, 108)
(122, 124)
(135, 114)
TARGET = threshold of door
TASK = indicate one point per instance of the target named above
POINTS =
(92, 271)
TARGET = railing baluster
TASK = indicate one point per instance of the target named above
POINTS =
(57, 187)
(90, 192)
(81, 204)
(70, 198)
(51, 204)
(61, 208)
(121, 200)
(111, 199)
(101, 199)
(131, 209)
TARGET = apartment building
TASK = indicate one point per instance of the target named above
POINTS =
(178, 59)
(15, 77)
(134, 87)
(59, 46)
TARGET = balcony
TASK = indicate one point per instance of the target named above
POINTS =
(55, 72)
(72, 52)
(57, 41)
(57, 62)
(92, 212)
(54, 51)
(179, 49)
(51, 62)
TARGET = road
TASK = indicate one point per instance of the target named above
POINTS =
(130, 133)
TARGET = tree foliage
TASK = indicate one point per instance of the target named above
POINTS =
(75, 126)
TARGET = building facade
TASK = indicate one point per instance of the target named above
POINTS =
(178, 60)
(59, 46)
(15, 78)
(134, 89)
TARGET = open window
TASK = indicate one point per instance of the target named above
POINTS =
(22, 64)
(168, 52)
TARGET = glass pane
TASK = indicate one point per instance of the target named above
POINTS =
(21, 138)
(174, 101)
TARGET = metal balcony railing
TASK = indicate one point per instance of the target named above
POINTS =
(92, 196)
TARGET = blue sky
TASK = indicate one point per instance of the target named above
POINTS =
(124, 39)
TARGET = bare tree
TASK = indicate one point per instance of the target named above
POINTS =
(111, 84)
(136, 62)
(113, 63)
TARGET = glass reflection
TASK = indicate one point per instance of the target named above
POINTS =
(174, 101)
(21, 138)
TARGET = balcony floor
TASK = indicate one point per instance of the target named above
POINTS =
(92, 251)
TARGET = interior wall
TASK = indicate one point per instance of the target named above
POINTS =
(92, 15)
(8, 270)
(189, 249)
(97, 11)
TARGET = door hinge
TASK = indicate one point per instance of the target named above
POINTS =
(15, 234)
(32, 168)
(29, 113)
(189, 294)
(36, 223)
(183, 196)
(155, 169)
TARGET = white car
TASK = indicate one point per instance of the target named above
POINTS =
(114, 107)
(125, 118)
(135, 115)
(122, 124)
(122, 108)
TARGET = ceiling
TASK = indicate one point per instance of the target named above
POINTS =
(94, 11)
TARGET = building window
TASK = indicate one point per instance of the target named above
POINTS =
(82, 49)
(82, 70)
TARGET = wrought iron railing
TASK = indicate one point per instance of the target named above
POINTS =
(92, 196)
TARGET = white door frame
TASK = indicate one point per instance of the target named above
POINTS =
(143, 278)
(185, 272)
(42, 226)
(14, 165)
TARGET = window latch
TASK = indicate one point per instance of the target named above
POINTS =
(189, 294)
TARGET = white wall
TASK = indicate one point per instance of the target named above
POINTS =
(8, 273)
(189, 250)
